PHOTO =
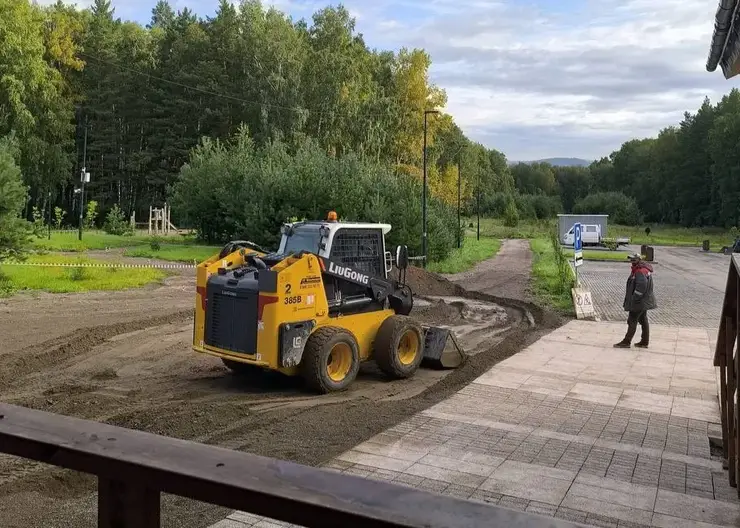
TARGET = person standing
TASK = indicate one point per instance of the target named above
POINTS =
(638, 299)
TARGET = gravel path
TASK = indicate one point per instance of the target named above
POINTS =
(508, 274)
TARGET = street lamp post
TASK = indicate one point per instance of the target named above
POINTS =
(424, 191)
(84, 178)
(459, 184)
(477, 206)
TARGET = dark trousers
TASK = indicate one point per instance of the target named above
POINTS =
(634, 318)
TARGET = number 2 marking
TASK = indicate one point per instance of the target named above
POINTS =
(287, 289)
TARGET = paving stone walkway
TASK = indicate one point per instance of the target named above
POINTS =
(570, 428)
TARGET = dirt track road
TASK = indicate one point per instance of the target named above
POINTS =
(506, 275)
(125, 358)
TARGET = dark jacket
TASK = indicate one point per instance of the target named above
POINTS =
(639, 294)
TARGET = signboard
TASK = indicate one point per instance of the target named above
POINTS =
(583, 304)
(577, 245)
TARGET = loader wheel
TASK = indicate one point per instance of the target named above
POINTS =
(331, 360)
(399, 347)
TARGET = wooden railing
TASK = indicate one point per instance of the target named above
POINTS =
(726, 357)
(133, 468)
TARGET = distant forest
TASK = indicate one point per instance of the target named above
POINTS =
(688, 175)
(146, 109)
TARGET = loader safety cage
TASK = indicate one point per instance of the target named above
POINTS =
(134, 468)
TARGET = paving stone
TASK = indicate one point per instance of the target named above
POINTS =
(571, 515)
(607, 508)
(375, 461)
(622, 493)
(697, 508)
(230, 523)
(531, 482)
(513, 503)
(445, 475)
(601, 520)
(668, 521)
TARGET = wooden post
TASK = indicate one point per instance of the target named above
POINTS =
(127, 505)
(730, 415)
(723, 403)
(150, 220)
(735, 366)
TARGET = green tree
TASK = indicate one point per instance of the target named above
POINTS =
(14, 231)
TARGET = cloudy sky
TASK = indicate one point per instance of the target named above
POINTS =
(541, 78)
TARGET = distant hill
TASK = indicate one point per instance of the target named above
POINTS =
(565, 162)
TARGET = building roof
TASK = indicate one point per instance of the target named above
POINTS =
(725, 47)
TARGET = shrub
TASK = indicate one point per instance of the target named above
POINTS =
(621, 208)
(91, 213)
(14, 231)
(511, 215)
(38, 222)
(565, 275)
(155, 244)
(59, 215)
(78, 273)
(238, 190)
(116, 222)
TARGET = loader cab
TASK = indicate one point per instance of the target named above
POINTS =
(360, 246)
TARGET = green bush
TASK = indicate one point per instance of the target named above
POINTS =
(621, 208)
(155, 244)
(39, 226)
(565, 275)
(78, 273)
(511, 215)
(91, 213)
(238, 190)
(116, 222)
(14, 231)
(59, 215)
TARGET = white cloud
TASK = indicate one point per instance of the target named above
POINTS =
(582, 80)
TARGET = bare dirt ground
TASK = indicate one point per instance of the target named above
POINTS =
(506, 275)
(124, 358)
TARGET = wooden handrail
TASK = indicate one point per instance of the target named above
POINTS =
(727, 359)
(134, 467)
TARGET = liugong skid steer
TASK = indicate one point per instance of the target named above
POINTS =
(318, 307)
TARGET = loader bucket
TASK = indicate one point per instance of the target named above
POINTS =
(441, 350)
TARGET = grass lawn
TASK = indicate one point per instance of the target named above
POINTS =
(619, 256)
(665, 235)
(471, 253)
(69, 279)
(548, 285)
(660, 235)
(67, 240)
(175, 252)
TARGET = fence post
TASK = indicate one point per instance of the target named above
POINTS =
(127, 505)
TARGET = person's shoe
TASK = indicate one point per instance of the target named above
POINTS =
(622, 344)
(640, 344)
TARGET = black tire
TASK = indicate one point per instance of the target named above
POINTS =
(325, 346)
(388, 350)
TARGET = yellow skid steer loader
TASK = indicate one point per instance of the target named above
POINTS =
(317, 307)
